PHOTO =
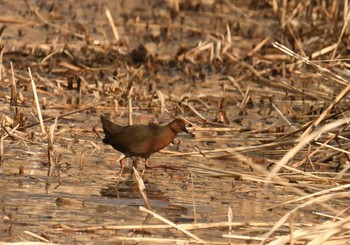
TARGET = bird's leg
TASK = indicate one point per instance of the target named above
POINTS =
(134, 165)
(147, 165)
(122, 165)
(121, 161)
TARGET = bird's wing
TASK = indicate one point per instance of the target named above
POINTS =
(137, 139)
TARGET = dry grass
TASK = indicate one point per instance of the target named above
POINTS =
(264, 85)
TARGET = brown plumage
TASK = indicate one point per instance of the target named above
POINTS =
(140, 140)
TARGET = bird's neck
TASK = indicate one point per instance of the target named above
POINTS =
(165, 136)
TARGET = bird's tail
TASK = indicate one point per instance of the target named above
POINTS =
(109, 128)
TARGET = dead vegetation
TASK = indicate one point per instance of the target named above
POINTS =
(262, 84)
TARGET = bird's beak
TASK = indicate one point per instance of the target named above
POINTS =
(184, 129)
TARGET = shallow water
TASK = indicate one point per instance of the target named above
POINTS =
(92, 196)
(82, 188)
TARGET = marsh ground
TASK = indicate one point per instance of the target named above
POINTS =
(213, 63)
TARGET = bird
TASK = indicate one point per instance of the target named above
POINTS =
(140, 140)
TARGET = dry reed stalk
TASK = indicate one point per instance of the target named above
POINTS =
(47, 57)
(243, 177)
(142, 188)
(63, 115)
(241, 237)
(22, 138)
(291, 229)
(331, 75)
(116, 107)
(10, 133)
(50, 144)
(1, 148)
(283, 117)
(296, 38)
(150, 240)
(13, 100)
(233, 150)
(157, 216)
(323, 71)
(313, 195)
(65, 30)
(320, 233)
(174, 99)
(329, 216)
(16, 20)
(259, 46)
(246, 98)
(112, 24)
(344, 28)
(81, 160)
(316, 200)
(96, 148)
(340, 96)
(1, 55)
(202, 154)
(129, 96)
(166, 226)
(36, 100)
(37, 237)
(341, 174)
(323, 51)
(230, 220)
(193, 200)
(297, 164)
(304, 141)
(162, 101)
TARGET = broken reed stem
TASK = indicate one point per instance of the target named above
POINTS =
(81, 160)
(37, 237)
(116, 107)
(36, 100)
(130, 104)
(13, 100)
(291, 229)
(50, 145)
(157, 216)
(162, 101)
(10, 133)
(142, 188)
(1, 148)
(229, 219)
(166, 226)
(1, 54)
(193, 200)
(112, 24)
